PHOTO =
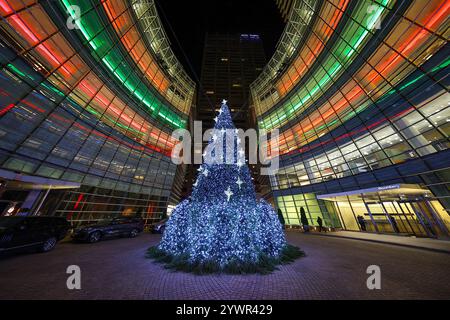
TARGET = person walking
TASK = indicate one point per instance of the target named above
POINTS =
(362, 223)
(281, 218)
(320, 223)
(304, 220)
(394, 224)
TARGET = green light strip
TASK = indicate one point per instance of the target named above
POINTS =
(437, 68)
(14, 69)
(103, 46)
(98, 114)
(344, 50)
(368, 103)
(18, 72)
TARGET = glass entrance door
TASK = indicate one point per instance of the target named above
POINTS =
(405, 209)
(431, 222)
(396, 217)
(411, 222)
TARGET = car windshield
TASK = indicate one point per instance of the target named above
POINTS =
(6, 222)
(105, 222)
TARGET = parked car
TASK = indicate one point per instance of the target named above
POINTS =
(159, 226)
(31, 232)
(117, 227)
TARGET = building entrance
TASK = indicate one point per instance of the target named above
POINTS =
(398, 209)
(26, 195)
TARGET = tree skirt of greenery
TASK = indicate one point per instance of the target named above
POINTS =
(265, 265)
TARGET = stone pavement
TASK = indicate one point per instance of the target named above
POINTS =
(334, 268)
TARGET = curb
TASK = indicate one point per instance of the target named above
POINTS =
(385, 242)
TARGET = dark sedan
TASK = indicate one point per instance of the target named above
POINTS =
(35, 232)
(119, 227)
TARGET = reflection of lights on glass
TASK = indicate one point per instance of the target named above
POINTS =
(170, 208)
(10, 210)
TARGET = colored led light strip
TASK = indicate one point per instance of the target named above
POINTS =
(442, 66)
(121, 20)
(288, 81)
(159, 138)
(101, 41)
(277, 117)
(98, 98)
(392, 61)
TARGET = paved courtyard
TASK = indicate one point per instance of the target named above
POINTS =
(334, 268)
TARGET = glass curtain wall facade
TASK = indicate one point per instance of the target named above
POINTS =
(360, 96)
(90, 93)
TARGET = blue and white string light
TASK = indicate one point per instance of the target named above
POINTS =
(222, 221)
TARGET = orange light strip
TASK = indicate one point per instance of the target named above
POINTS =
(17, 23)
(289, 80)
(378, 75)
(121, 19)
(140, 124)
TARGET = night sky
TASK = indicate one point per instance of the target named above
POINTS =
(186, 22)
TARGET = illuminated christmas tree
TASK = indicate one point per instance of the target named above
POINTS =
(222, 226)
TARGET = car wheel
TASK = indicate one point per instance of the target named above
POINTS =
(95, 237)
(48, 245)
(134, 233)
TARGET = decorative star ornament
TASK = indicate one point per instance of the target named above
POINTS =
(216, 118)
(195, 184)
(220, 111)
(229, 193)
(239, 182)
(200, 168)
(205, 172)
(240, 163)
(224, 101)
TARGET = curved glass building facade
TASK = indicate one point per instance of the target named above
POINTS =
(359, 92)
(90, 93)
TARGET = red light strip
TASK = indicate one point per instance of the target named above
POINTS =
(288, 80)
(166, 152)
(121, 21)
(376, 77)
(26, 31)
(19, 24)
(349, 134)
(80, 197)
(6, 109)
